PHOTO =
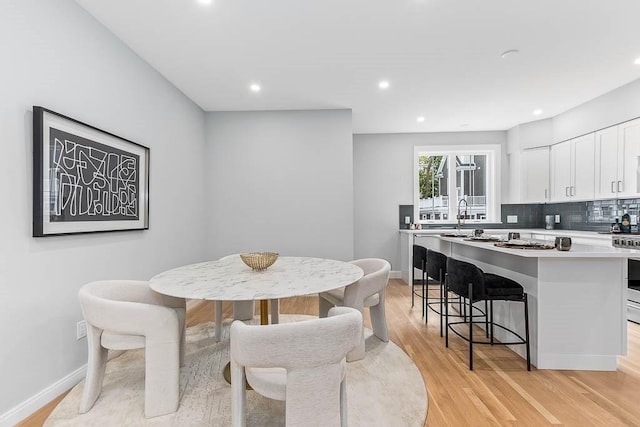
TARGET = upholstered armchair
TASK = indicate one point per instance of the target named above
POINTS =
(127, 314)
(302, 363)
(369, 291)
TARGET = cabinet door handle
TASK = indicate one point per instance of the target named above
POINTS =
(573, 191)
(545, 194)
(612, 184)
(619, 185)
(566, 191)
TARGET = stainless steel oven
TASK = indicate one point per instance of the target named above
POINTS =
(633, 291)
(631, 241)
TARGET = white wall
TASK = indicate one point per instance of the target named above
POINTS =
(536, 134)
(280, 181)
(614, 107)
(55, 55)
(383, 180)
(511, 192)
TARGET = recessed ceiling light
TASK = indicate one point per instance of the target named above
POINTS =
(508, 53)
(537, 112)
(205, 1)
(464, 125)
(384, 84)
(255, 87)
(420, 119)
(637, 61)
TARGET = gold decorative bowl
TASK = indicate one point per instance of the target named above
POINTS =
(259, 261)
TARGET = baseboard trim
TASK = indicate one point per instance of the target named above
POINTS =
(395, 275)
(34, 403)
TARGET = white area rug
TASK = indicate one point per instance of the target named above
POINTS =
(384, 389)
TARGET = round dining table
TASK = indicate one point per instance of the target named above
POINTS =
(229, 279)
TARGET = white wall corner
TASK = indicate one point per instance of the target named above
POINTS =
(36, 402)
(513, 139)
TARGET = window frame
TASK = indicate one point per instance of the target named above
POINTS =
(493, 153)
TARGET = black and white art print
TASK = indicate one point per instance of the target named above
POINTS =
(86, 179)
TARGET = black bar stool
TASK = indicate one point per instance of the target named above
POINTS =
(436, 270)
(419, 262)
(470, 282)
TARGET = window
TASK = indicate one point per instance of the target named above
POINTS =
(457, 182)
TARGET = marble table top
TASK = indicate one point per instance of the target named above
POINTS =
(230, 279)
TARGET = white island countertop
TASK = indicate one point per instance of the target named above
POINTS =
(577, 298)
(586, 244)
(577, 250)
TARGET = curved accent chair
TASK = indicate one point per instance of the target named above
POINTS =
(369, 292)
(302, 363)
(125, 315)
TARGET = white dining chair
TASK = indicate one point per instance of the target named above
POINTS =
(125, 315)
(369, 291)
(302, 363)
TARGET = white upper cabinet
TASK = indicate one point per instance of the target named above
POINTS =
(618, 159)
(535, 170)
(584, 166)
(607, 154)
(629, 160)
(561, 171)
(573, 169)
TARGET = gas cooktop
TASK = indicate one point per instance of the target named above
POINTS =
(625, 240)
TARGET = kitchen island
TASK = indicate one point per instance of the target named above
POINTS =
(577, 299)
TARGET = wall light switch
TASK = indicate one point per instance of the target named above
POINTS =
(81, 330)
(557, 219)
(512, 219)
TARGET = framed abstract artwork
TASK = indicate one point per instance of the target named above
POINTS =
(85, 179)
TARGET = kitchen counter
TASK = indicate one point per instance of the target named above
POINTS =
(586, 244)
(538, 232)
(577, 299)
(578, 250)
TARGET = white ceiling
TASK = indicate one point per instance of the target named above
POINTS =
(441, 57)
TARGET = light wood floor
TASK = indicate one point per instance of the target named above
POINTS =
(500, 391)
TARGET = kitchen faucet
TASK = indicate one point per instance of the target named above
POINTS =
(464, 213)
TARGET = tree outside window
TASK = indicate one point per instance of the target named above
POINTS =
(446, 177)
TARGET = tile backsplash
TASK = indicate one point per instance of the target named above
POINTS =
(608, 210)
(405, 211)
(595, 215)
(528, 215)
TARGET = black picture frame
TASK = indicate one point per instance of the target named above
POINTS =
(86, 180)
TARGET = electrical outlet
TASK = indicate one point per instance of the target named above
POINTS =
(557, 219)
(81, 330)
(512, 219)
